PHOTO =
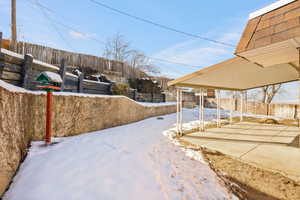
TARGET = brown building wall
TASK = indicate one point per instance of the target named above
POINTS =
(275, 26)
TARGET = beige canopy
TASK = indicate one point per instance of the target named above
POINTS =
(238, 74)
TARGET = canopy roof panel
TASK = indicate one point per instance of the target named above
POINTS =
(238, 74)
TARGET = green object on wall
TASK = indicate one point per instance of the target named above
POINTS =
(49, 81)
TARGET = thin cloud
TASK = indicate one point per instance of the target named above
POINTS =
(79, 35)
(197, 52)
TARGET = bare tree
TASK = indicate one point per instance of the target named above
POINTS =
(117, 48)
(269, 92)
(141, 62)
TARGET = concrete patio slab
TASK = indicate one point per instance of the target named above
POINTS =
(265, 145)
(237, 150)
(277, 158)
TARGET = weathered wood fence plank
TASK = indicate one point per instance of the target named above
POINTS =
(80, 83)
(62, 71)
(26, 70)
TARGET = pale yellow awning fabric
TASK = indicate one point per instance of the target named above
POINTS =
(238, 74)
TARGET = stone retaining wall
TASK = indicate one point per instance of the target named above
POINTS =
(22, 117)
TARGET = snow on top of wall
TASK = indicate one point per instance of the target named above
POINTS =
(45, 64)
(157, 104)
(91, 81)
(15, 89)
(11, 53)
(54, 77)
(270, 8)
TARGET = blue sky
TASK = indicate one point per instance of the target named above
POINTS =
(220, 20)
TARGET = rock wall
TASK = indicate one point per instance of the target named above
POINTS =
(22, 117)
(15, 132)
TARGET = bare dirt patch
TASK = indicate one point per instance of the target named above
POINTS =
(250, 182)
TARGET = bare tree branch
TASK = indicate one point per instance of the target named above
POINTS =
(269, 92)
(119, 49)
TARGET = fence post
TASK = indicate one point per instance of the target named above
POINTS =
(80, 83)
(1, 57)
(152, 97)
(26, 71)
(62, 72)
(134, 94)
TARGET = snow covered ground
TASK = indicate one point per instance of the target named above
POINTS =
(131, 162)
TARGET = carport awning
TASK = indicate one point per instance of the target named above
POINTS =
(238, 74)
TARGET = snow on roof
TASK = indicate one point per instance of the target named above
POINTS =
(270, 8)
(54, 77)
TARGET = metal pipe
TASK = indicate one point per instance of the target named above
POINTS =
(299, 93)
(180, 118)
(246, 101)
(218, 108)
(241, 107)
(202, 109)
(48, 117)
(231, 107)
(199, 110)
(177, 112)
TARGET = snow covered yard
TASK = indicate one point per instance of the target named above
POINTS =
(134, 161)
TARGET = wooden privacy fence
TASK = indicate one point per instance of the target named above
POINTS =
(289, 111)
(22, 70)
(54, 57)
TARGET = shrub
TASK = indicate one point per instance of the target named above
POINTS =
(120, 89)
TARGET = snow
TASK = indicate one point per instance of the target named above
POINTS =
(129, 162)
(270, 8)
(54, 77)
(70, 74)
(78, 71)
(147, 104)
(16, 89)
(20, 56)
(91, 81)
(11, 53)
(45, 65)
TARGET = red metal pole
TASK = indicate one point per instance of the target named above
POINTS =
(48, 117)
